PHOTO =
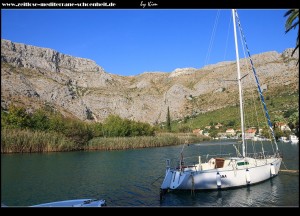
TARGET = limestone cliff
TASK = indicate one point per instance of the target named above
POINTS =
(35, 77)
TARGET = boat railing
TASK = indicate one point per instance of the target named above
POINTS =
(191, 161)
(261, 155)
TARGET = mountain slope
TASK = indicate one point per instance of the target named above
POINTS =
(36, 77)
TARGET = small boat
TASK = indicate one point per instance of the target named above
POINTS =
(259, 138)
(283, 139)
(74, 203)
(293, 139)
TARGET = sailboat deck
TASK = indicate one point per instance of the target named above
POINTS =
(229, 164)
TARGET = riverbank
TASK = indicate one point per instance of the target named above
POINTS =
(28, 141)
(159, 140)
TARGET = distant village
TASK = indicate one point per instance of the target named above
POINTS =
(253, 133)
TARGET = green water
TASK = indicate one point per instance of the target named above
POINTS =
(132, 178)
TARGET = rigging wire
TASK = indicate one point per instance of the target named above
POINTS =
(247, 66)
(254, 105)
(250, 121)
(212, 38)
(226, 45)
(258, 85)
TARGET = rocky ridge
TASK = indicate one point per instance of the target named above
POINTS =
(35, 77)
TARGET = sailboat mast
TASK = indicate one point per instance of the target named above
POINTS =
(239, 82)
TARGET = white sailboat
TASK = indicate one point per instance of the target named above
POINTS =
(226, 172)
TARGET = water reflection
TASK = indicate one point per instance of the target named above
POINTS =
(264, 194)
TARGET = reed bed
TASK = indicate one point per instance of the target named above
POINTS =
(27, 141)
(121, 143)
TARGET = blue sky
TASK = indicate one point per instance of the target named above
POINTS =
(130, 42)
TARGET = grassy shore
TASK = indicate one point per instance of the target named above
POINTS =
(164, 139)
(28, 141)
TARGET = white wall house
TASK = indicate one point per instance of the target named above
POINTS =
(230, 132)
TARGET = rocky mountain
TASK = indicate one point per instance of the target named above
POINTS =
(36, 77)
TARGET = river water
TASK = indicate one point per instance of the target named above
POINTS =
(132, 178)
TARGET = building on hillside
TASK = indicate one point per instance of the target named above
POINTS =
(250, 133)
(282, 126)
(196, 131)
(217, 126)
(230, 132)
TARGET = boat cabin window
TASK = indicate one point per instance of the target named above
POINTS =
(242, 163)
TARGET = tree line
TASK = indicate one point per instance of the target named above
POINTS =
(78, 131)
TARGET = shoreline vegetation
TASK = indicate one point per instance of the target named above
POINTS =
(159, 140)
(46, 130)
(27, 141)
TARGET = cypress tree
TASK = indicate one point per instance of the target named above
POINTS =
(168, 120)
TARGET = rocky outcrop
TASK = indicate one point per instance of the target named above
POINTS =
(182, 71)
(21, 55)
(35, 77)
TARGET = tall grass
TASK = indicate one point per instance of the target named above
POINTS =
(27, 141)
(120, 143)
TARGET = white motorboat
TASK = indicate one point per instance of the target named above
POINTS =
(74, 203)
(293, 139)
(283, 139)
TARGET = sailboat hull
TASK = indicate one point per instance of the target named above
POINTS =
(228, 177)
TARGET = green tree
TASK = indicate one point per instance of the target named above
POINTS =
(289, 112)
(230, 123)
(89, 114)
(56, 123)
(114, 126)
(297, 128)
(39, 120)
(168, 120)
(185, 119)
(213, 133)
(294, 117)
(16, 117)
(77, 131)
(97, 129)
(291, 23)
(278, 133)
(266, 132)
(278, 118)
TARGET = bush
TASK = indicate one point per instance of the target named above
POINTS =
(115, 126)
(16, 117)
(77, 131)
(73, 130)
(39, 121)
(184, 129)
